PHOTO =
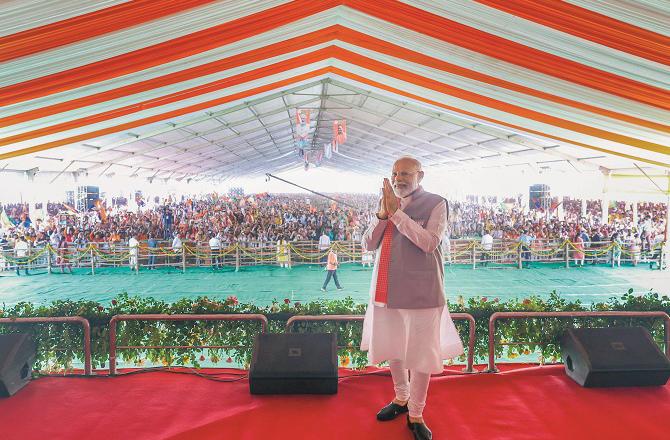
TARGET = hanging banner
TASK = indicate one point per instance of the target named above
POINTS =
(302, 121)
(328, 151)
(339, 134)
(340, 131)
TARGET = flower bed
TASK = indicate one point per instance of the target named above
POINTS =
(60, 345)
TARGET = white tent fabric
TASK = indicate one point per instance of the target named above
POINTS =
(209, 89)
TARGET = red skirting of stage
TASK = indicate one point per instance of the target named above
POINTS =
(525, 403)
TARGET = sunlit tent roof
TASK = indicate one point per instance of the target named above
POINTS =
(209, 89)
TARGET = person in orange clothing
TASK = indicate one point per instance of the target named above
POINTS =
(331, 266)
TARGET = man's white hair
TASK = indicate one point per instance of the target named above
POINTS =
(414, 160)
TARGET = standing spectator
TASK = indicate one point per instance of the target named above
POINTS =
(616, 249)
(331, 266)
(446, 248)
(152, 244)
(634, 247)
(324, 244)
(177, 247)
(4, 249)
(282, 253)
(215, 251)
(578, 255)
(134, 250)
(525, 241)
(487, 247)
(21, 254)
(63, 260)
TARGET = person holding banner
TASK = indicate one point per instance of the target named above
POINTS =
(407, 322)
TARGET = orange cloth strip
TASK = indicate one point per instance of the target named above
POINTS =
(162, 53)
(450, 31)
(336, 32)
(90, 25)
(589, 25)
(363, 80)
(251, 92)
(164, 116)
(390, 10)
(359, 60)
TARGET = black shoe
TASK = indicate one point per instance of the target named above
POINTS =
(419, 430)
(391, 411)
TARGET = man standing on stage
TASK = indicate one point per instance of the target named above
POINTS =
(407, 322)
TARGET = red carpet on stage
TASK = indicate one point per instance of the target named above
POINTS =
(532, 403)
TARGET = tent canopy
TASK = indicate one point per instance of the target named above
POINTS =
(201, 89)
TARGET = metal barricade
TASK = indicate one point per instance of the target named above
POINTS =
(206, 317)
(455, 316)
(66, 319)
(509, 315)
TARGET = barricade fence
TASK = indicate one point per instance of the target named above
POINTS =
(198, 254)
(177, 339)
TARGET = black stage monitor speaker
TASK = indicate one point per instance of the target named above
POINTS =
(17, 354)
(294, 363)
(614, 357)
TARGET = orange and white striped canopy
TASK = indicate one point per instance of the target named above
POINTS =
(208, 89)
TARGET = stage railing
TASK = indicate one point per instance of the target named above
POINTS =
(524, 315)
(62, 319)
(455, 316)
(205, 317)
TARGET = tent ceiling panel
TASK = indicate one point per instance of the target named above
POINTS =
(213, 88)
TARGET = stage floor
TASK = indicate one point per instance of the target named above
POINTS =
(524, 403)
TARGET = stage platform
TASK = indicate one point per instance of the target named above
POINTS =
(521, 403)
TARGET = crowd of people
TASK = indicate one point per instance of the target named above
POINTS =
(221, 220)
(229, 219)
(510, 221)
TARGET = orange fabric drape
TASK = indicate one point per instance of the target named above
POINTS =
(164, 116)
(390, 10)
(438, 86)
(589, 25)
(381, 46)
(162, 53)
(348, 56)
(89, 25)
(251, 56)
(293, 44)
(473, 39)
(401, 92)
(255, 74)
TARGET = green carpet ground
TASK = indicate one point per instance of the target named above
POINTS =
(262, 284)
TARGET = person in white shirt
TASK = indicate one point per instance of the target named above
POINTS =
(134, 251)
(176, 247)
(324, 244)
(487, 247)
(21, 254)
(215, 250)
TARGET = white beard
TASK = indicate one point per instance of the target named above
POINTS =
(403, 192)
